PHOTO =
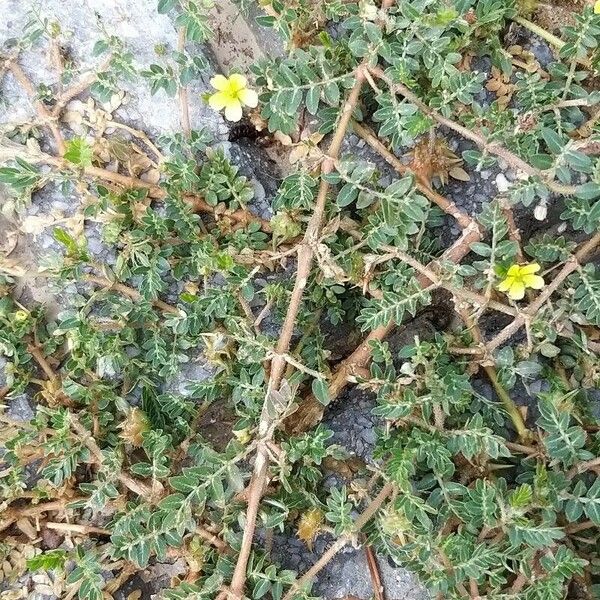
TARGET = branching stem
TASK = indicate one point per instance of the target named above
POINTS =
(242, 217)
(311, 407)
(360, 522)
(509, 405)
(306, 250)
(48, 119)
(570, 266)
(486, 145)
(449, 207)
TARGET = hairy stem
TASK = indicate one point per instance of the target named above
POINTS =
(129, 292)
(306, 250)
(462, 293)
(486, 145)
(360, 522)
(570, 266)
(48, 119)
(311, 408)
(462, 218)
(14, 514)
(9, 151)
(509, 405)
(588, 465)
(78, 88)
(540, 31)
(378, 589)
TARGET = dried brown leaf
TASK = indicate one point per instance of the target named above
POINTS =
(459, 173)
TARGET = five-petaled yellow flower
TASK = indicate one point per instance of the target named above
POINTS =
(597, 7)
(520, 277)
(233, 93)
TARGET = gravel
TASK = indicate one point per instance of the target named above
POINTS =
(198, 369)
(347, 574)
(143, 31)
(353, 425)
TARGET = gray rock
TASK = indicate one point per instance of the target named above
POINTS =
(20, 408)
(262, 172)
(198, 369)
(543, 53)
(141, 28)
(594, 399)
(348, 573)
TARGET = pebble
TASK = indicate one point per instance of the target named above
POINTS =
(47, 242)
(95, 245)
(20, 408)
(259, 190)
(502, 183)
(347, 575)
(540, 211)
(352, 423)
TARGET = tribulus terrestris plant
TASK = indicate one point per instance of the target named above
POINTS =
(484, 477)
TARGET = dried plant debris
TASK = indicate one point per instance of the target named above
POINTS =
(432, 159)
(173, 416)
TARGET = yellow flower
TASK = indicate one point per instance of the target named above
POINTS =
(597, 7)
(520, 277)
(233, 93)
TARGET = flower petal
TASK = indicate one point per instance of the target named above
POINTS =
(597, 7)
(237, 82)
(248, 97)
(219, 82)
(219, 100)
(233, 110)
(514, 271)
(533, 281)
(528, 269)
(517, 291)
(505, 285)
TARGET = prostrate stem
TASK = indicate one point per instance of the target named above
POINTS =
(486, 145)
(362, 520)
(311, 408)
(570, 266)
(198, 204)
(49, 120)
(306, 250)
(462, 218)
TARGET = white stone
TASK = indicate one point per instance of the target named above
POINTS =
(540, 212)
(502, 183)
